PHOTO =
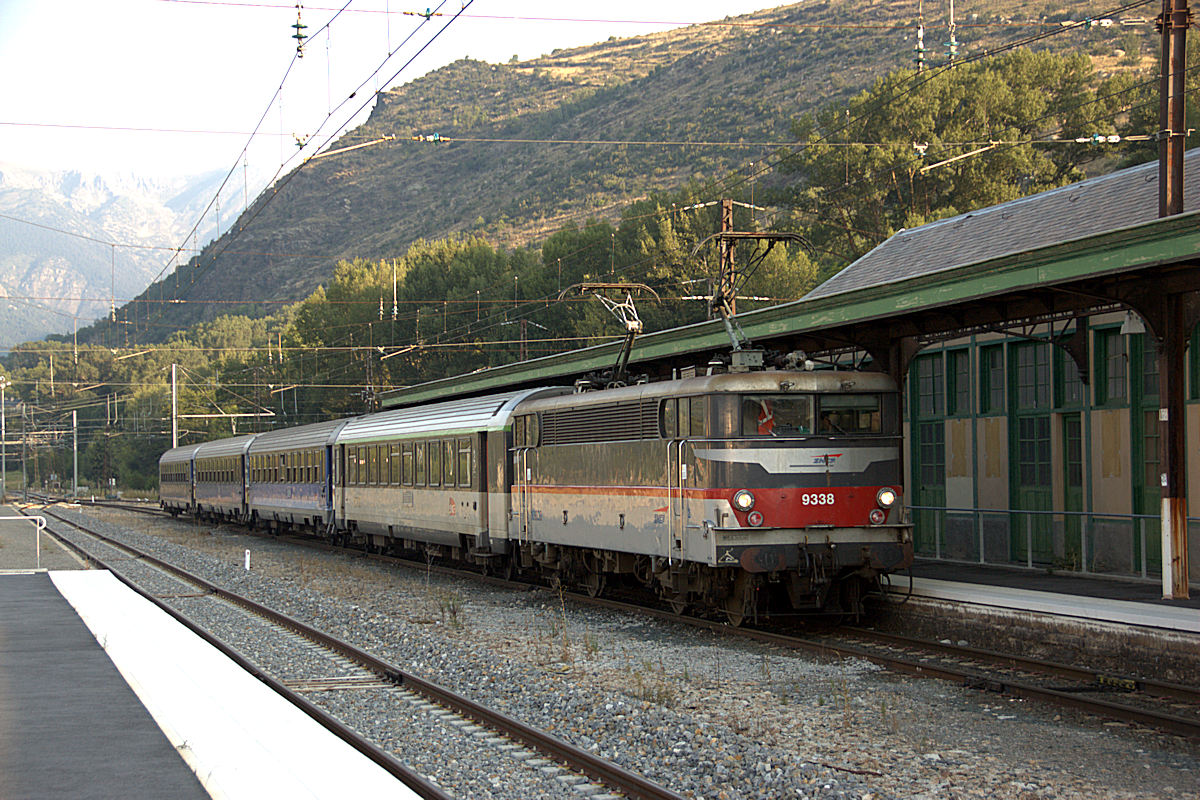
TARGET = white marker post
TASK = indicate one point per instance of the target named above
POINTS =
(247, 561)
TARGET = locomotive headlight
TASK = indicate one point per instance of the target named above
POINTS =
(877, 516)
(743, 500)
(885, 497)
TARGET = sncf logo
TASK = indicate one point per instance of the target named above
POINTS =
(825, 459)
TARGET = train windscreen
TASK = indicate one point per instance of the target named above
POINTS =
(777, 415)
(849, 413)
(803, 415)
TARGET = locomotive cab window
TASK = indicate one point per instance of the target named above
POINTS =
(670, 418)
(525, 431)
(777, 415)
(850, 413)
(696, 414)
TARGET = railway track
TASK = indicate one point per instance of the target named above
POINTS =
(370, 672)
(1165, 706)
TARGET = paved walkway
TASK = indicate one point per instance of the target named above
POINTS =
(70, 726)
(19, 546)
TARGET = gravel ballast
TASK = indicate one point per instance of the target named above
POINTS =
(703, 714)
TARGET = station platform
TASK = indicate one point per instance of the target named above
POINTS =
(1089, 597)
(102, 694)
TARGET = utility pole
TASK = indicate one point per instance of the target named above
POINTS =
(24, 456)
(920, 48)
(174, 409)
(1173, 333)
(725, 294)
(524, 339)
(4, 384)
(1172, 24)
(74, 454)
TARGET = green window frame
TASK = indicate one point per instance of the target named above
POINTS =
(1031, 375)
(1111, 368)
(991, 379)
(1068, 385)
(1193, 362)
(958, 382)
(930, 385)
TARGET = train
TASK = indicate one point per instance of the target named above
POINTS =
(747, 495)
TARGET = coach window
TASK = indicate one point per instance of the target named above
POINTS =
(448, 463)
(464, 462)
(420, 459)
(670, 428)
(394, 463)
(351, 466)
(406, 465)
(373, 464)
(435, 463)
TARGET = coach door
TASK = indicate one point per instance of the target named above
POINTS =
(681, 419)
(525, 434)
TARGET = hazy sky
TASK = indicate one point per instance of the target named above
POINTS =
(203, 65)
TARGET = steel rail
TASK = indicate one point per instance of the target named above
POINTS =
(398, 769)
(601, 769)
(1147, 686)
(914, 666)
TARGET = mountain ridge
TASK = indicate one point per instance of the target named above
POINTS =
(514, 151)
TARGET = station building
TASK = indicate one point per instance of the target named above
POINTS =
(1012, 457)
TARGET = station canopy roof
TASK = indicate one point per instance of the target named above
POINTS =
(1097, 205)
